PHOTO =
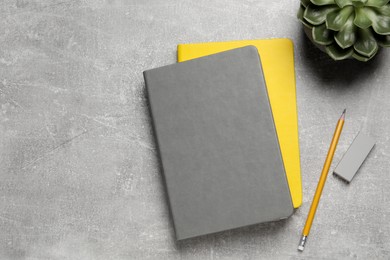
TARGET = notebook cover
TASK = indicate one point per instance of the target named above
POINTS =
(277, 58)
(217, 141)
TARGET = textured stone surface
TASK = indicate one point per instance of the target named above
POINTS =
(79, 176)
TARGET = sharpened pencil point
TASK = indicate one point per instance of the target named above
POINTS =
(343, 114)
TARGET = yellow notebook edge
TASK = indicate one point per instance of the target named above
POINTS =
(299, 200)
(181, 48)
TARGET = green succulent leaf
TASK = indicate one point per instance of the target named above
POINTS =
(342, 3)
(301, 10)
(322, 35)
(358, 3)
(383, 40)
(336, 19)
(347, 28)
(300, 17)
(337, 53)
(365, 44)
(305, 3)
(323, 2)
(360, 57)
(317, 14)
(346, 37)
(384, 10)
(376, 3)
(380, 23)
(361, 19)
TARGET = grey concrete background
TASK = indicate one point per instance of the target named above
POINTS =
(79, 176)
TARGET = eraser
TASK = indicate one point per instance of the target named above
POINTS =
(354, 157)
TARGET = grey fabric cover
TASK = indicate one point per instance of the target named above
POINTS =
(217, 142)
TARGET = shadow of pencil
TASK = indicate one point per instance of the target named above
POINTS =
(346, 72)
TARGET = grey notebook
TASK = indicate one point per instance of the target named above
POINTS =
(217, 142)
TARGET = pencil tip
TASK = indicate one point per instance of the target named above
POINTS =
(343, 114)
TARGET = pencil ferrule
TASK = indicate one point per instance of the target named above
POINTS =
(302, 243)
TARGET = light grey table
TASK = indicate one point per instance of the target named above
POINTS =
(79, 176)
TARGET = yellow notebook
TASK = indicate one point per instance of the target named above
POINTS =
(277, 58)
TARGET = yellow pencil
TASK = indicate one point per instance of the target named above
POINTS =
(321, 182)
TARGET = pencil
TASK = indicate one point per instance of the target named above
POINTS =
(321, 182)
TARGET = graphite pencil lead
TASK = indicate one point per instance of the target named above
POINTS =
(343, 114)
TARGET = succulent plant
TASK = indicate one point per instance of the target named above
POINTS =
(347, 28)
